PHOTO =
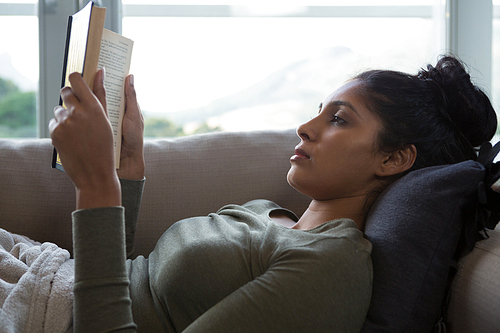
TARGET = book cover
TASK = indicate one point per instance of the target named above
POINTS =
(89, 46)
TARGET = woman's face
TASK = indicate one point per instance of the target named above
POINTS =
(337, 156)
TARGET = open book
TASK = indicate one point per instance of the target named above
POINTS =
(89, 46)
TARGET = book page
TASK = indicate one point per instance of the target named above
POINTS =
(115, 56)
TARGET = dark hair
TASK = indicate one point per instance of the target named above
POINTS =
(439, 110)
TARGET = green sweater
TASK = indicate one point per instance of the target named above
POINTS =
(232, 271)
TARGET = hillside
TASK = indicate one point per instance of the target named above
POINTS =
(286, 97)
(289, 96)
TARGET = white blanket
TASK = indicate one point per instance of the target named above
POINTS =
(36, 286)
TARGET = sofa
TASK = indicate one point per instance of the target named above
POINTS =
(197, 175)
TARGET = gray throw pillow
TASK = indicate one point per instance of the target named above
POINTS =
(415, 227)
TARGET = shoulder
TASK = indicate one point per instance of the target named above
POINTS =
(342, 235)
(332, 247)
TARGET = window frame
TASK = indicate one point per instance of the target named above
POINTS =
(464, 20)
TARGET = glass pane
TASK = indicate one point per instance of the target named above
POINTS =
(18, 75)
(19, 1)
(282, 3)
(250, 73)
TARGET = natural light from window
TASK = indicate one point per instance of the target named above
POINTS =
(238, 65)
(19, 66)
(249, 73)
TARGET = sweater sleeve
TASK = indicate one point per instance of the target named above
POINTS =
(101, 291)
(131, 201)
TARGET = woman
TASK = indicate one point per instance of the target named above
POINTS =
(256, 268)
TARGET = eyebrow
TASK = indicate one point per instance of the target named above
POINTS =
(349, 105)
(341, 103)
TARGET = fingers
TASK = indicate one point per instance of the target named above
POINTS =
(60, 115)
(99, 89)
(56, 125)
(68, 97)
(132, 107)
(79, 87)
(79, 94)
(80, 103)
(132, 110)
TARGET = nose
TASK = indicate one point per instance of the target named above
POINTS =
(306, 131)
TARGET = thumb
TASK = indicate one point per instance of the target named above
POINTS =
(132, 108)
(99, 90)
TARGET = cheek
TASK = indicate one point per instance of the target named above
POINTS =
(313, 183)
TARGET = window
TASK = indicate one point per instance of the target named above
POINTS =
(260, 80)
(241, 65)
(18, 68)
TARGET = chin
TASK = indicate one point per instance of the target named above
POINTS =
(289, 178)
(292, 181)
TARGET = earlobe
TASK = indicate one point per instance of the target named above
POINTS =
(398, 161)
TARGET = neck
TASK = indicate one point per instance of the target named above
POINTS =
(321, 211)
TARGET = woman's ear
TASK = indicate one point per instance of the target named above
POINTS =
(398, 161)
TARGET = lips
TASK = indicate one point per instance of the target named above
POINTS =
(299, 155)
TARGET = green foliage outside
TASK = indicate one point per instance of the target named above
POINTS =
(17, 111)
(161, 127)
(158, 127)
(7, 87)
(18, 116)
(204, 128)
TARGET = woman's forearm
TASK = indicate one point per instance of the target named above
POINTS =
(101, 293)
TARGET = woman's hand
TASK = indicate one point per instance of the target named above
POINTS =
(82, 135)
(132, 153)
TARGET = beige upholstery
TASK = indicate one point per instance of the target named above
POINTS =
(475, 298)
(186, 177)
(195, 176)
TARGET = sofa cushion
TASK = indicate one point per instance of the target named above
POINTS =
(186, 176)
(35, 200)
(415, 227)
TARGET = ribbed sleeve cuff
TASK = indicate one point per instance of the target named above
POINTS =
(99, 242)
(131, 199)
(102, 297)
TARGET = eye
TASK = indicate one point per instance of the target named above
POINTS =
(338, 121)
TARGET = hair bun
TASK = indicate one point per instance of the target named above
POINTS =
(467, 106)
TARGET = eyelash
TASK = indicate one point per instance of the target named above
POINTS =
(337, 120)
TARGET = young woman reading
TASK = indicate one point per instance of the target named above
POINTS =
(256, 267)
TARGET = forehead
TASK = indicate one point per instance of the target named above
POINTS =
(349, 92)
(351, 95)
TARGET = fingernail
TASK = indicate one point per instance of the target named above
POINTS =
(131, 79)
(103, 73)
